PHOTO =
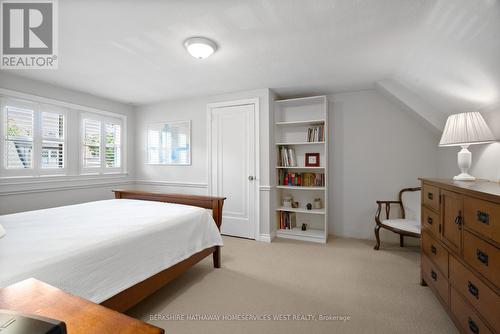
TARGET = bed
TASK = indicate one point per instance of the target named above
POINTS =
(113, 252)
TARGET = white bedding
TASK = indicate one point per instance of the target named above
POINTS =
(97, 249)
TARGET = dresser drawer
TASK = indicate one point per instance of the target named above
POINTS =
(435, 252)
(483, 257)
(481, 297)
(430, 221)
(433, 277)
(483, 217)
(465, 315)
(430, 196)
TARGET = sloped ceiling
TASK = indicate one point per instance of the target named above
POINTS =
(446, 52)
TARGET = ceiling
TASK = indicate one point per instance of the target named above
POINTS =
(445, 51)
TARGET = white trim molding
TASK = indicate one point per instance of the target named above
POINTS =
(267, 188)
(18, 186)
(172, 184)
(267, 237)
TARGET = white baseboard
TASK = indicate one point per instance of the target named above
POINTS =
(267, 237)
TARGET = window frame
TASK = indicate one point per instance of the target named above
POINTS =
(102, 169)
(39, 142)
(72, 140)
(36, 168)
(189, 136)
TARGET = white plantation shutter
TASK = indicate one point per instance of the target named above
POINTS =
(37, 138)
(19, 138)
(52, 140)
(113, 147)
(153, 146)
(91, 143)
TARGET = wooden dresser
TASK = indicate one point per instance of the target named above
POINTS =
(81, 316)
(461, 251)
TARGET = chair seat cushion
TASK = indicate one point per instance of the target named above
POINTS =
(407, 225)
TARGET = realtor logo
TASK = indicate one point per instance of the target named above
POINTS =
(29, 34)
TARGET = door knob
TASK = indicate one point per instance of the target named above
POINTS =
(250, 178)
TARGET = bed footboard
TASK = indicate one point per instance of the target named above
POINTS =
(133, 295)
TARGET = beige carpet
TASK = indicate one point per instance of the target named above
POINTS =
(379, 291)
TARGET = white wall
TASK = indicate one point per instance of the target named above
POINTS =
(194, 179)
(377, 149)
(43, 193)
(485, 158)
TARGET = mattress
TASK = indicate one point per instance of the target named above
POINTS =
(98, 249)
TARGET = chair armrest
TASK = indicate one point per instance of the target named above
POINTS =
(388, 202)
(387, 209)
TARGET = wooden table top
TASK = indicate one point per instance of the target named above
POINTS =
(81, 316)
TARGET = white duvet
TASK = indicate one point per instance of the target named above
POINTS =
(97, 249)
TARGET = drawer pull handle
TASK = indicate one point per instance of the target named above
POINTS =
(483, 217)
(473, 289)
(472, 326)
(434, 275)
(429, 220)
(482, 257)
(458, 220)
(430, 196)
(433, 249)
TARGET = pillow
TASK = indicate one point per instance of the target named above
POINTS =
(2, 231)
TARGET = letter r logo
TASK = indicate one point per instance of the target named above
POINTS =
(27, 27)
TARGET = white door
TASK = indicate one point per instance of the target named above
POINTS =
(233, 166)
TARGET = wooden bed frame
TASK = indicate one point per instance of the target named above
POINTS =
(133, 295)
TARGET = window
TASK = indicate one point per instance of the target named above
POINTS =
(169, 143)
(52, 140)
(33, 139)
(101, 144)
(42, 137)
(91, 143)
(113, 145)
(19, 138)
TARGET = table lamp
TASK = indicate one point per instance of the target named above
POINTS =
(463, 130)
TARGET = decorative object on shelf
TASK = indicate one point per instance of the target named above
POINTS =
(295, 205)
(309, 206)
(304, 227)
(287, 201)
(464, 130)
(169, 143)
(312, 160)
(317, 203)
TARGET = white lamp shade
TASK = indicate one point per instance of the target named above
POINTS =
(466, 129)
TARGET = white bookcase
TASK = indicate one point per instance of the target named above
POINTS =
(293, 118)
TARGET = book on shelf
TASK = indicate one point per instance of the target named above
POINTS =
(287, 220)
(301, 179)
(287, 157)
(316, 134)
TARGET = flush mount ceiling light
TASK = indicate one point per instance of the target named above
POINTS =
(200, 47)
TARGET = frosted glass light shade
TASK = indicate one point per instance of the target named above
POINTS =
(466, 129)
(200, 47)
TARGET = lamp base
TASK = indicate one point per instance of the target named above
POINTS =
(464, 177)
(464, 163)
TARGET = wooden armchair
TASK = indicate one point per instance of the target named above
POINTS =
(408, 224)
